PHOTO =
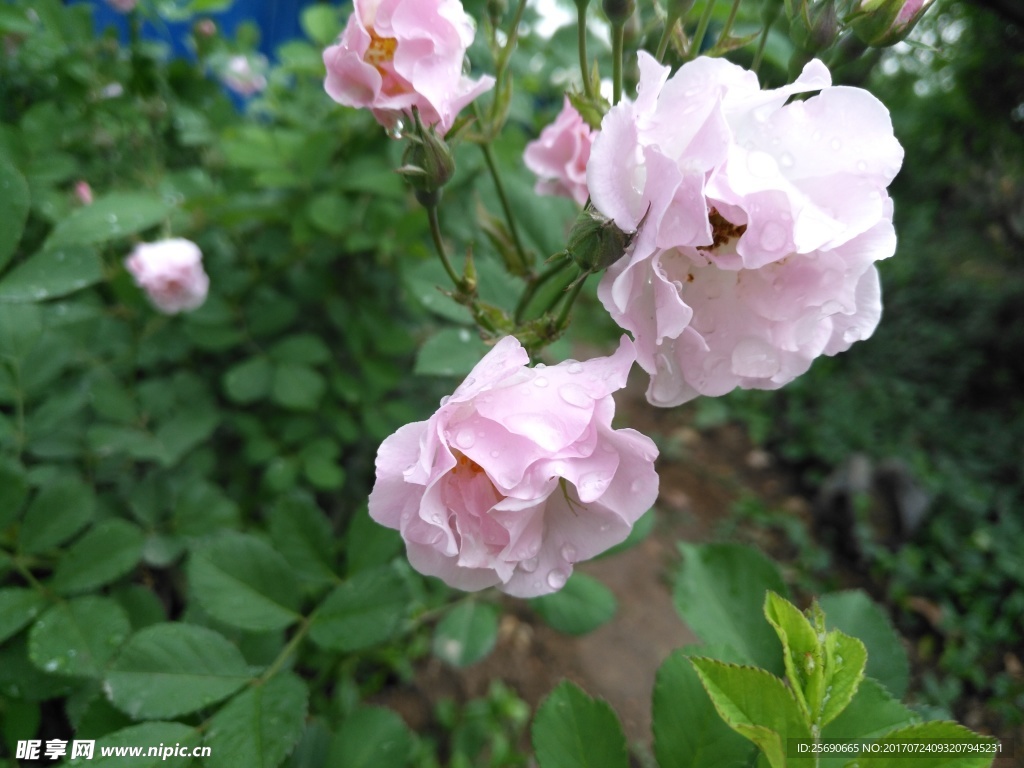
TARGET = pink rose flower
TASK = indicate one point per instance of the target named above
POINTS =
(171, 273)
(519, 474)
(764, 220)
(398, 54)
(83, 192)
(559, 157)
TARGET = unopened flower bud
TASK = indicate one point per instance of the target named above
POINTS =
(496, 8)
(815, 26)
(618, 11)
(427, 165)
(881, 23)
(679, 9)
(595, 243)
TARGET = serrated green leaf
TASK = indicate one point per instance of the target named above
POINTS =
(688, 731)
(364, 611)
(803, 653)
(845, 659)
(185, 430)
(244, 582)
(58, 511)
(720, 590)
(871, 713)
(369, 544)
(298, 387)
(581, 606)
(145, 734)
(110, 217)
(171, 669)
(56, 271)
(78, 637)
(109, 550)
(572, 730)
(451, 352)
(371, 737)
(202, 509)
(858, 615)
(21, 679)
(302, 534)
(14, 205)
(936, 744)
(249, 381)
(18, 606)
(260, 726)
(466, 634)
(757, 705)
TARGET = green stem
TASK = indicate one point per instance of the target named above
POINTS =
(670, 26)
(513, 36)
(581, 43)
(729, 22)
(702, 28)
(435, 232)
(19, 406)
(574, 291)
(288, 650)
(505, 206)
(618, 36)
(531, 289)
(761, 44)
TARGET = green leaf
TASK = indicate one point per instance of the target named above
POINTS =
(110, 217)
(146, 735)
(14, 205)
(303, 349)
(424, 280)
(171, 669)
(20, 327)
(451, 352)
(13, 490)
(260, 726)
(18, 606)
(371, 737)
(329, 212)
(871, 713)
(581, 606)
(244, 582)
(803, 653)
(185, 430)
(78, 637)
(51, 273)
(202, 509)
(720, 591)
(59, 511)
(297, 386)
(320, 23)
(466, 634)
(856, 614)
(928, 739)
(756, 704)
(369, 544)
(249, 381)
(688, 731)
(845, 659)
(364, 611)
(302, 534)
(108, 551)
(572, 730)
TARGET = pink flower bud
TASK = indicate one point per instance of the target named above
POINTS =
(244, 75)
(398, 54)
(171, 273)
(519, 475)
(83, 192)
(123, 6)
(882, 23)
(559, 157)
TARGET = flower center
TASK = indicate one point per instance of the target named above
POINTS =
(381, 50)
(465, 465)
(722, 230)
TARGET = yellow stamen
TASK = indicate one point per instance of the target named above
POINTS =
(381, 50)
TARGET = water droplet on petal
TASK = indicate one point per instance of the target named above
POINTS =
(836, 144)
(495, 454)
(557, 579)
(540, 381)
(786, 160)
(773, 236)
(575, 395)
(575, 367)
(569, 553)
(755, 358)
(529, 565)
(465, 439)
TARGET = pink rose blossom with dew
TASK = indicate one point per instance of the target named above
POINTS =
(171, 273)
(123, 6)
(83, 192)
(394, 55)
(243, 75)
(764, 220)
(559, 156)
(519, 475)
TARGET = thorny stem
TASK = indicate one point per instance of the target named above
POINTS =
(702, 28)
(499, 187)
(534, 285)
(670, 26)
(574, 291)
(618, 36)
(435, 232)
(581, 43)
